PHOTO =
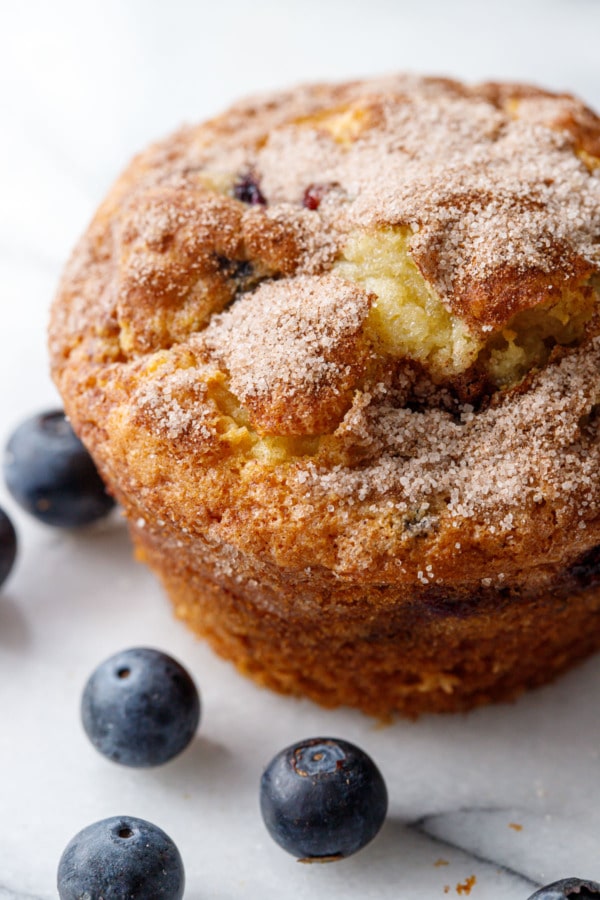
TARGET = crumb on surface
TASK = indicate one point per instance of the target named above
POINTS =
(465, 887)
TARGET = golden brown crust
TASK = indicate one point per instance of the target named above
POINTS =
(228, 374)
(169, 278)
(383, 649)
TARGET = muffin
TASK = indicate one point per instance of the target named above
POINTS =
(336, 352)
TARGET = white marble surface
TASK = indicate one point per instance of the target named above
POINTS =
(82, 87)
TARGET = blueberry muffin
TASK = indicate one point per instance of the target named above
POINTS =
(336, 352)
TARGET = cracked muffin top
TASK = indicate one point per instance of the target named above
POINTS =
(353, 327)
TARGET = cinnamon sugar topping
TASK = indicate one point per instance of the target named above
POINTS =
(484, 192)
(292, 350)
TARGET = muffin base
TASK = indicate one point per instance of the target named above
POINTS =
(376, 647)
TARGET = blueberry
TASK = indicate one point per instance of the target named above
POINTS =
(578, 888)
(122, 858)
(247, 189)
(322, 798)
(51, 475)
(140, 708)
(8, 546)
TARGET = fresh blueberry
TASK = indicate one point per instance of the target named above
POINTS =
(140, 708)
(322, 798)
(8, 546)
(578, 888)
(51, 475)
(122, 858)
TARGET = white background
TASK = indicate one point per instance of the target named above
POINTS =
(82, 87)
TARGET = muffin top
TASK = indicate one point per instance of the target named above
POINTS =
(353, 327)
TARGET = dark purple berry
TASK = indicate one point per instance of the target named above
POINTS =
(247, 190)
(322, 799)
(122, 858)
(8, 546)
(577, 888)
(51, 475)
(140, 708)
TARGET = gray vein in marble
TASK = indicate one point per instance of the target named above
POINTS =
(438, 828)
(535, 848)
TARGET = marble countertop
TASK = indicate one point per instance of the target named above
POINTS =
(509, 795)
